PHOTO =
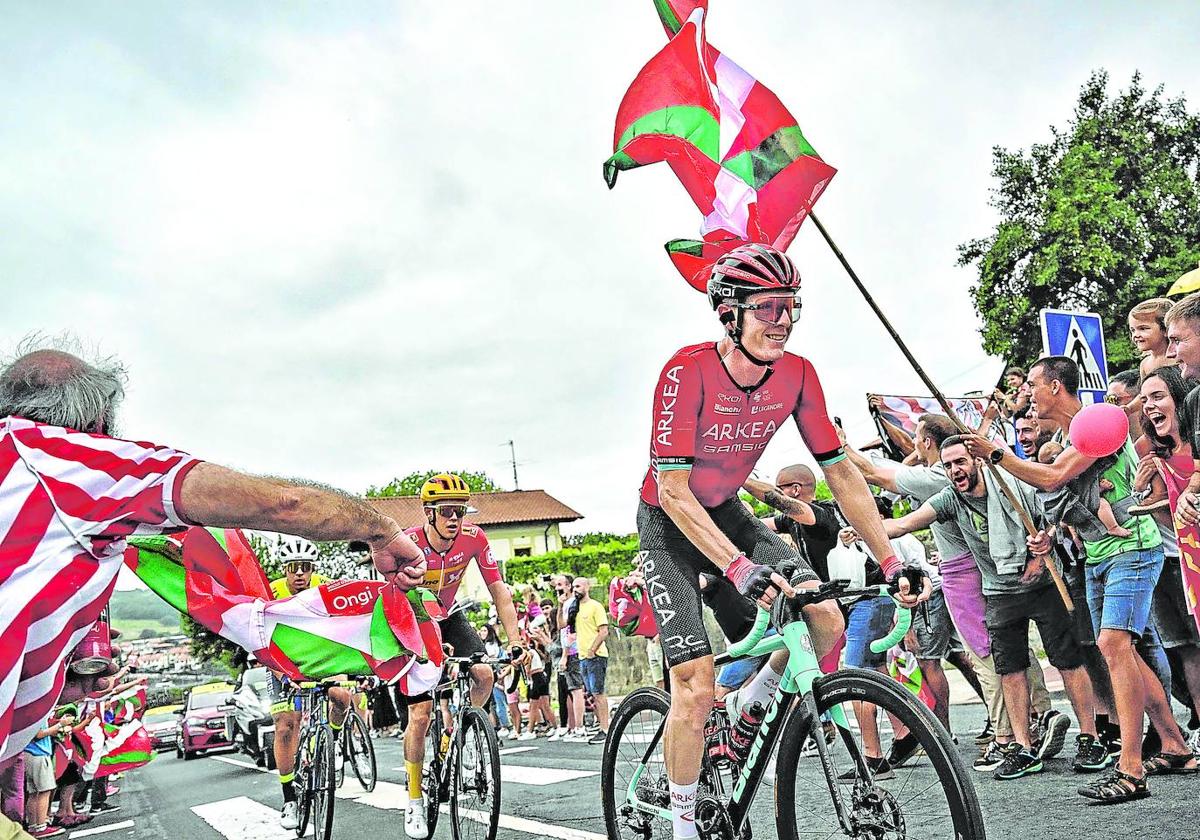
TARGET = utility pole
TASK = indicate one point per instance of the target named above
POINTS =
(512, 450)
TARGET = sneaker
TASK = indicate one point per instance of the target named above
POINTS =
(599, 738)
(1091, 756)
(289, 817)
(1018, 762)
(526, 736)
(879, 767)
(576, 736)
(1054, 733)
(502, 732)
(993, 757)
(1110, 737)
(513, 735)
(112, 790)
(986, 735)
(105, 808)
(45, 831)
(1193, 742)
(903, 749)
(415, 825)
(810, 748)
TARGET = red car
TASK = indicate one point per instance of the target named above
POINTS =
(202, 721)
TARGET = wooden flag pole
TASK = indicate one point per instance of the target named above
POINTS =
(1011, 497)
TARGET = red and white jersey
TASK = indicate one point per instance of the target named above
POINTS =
(68, 500)
(444, 572)
(705, 422)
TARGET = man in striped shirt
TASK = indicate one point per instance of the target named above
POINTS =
(70, 495)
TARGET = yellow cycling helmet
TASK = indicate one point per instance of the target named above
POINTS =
(445, 487)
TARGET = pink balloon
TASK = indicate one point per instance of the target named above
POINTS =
(1099, 429)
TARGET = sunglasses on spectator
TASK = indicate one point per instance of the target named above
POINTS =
(451, 511)
(769, 311)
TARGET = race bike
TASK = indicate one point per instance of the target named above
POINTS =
(830, 794)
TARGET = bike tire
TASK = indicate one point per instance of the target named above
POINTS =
(630, 732)
(475, 783)
(360, 751)
(302, 781)
(431, 773)
(950, 811)
(323, 784)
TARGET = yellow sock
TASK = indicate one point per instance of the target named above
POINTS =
(414, 779)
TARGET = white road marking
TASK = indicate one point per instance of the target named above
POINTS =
(239, 763)
(515, 750)
(516, 774)
(531, 826)
(88, 832)
(387, 796)
(244, 819)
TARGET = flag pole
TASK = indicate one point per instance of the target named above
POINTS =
(1011, 497)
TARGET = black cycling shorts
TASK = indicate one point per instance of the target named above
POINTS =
(673, 566)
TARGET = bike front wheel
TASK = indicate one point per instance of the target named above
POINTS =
(322, 786)
(633, 772)
(303, 781)
(475, 800)
(929, 797)
(359, 751)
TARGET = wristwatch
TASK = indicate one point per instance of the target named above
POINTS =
(996, 455)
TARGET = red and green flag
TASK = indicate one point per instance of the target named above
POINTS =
(355, 627)
(736, 149)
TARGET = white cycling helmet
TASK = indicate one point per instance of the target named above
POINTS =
(296, 550)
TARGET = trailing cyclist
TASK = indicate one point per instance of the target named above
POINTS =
(716, 406)
(450, 544)
(299, 558)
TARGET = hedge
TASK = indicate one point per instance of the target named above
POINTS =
(601, 562)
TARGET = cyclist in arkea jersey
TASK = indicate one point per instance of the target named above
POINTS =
(716, 407)
(298, 557)
(450, 544)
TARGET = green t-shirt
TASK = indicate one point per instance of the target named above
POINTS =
(1145, 532)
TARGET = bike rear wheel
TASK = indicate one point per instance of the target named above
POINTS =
(930, 797)
(475, 800)
(323, 784)
(633, 759)
(359, 751)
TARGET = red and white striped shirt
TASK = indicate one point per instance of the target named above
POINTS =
(68, 500)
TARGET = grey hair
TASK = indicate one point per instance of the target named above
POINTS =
(82, 396)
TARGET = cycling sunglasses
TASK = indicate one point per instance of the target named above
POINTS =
(769, 311)
(302, 567)
(451, 511)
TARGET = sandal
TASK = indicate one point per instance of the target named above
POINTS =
(1116, 787)
(1166, 764)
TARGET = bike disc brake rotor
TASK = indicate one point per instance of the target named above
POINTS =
(876, 815)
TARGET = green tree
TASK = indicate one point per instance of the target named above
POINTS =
(410, 485)
(1103, 215)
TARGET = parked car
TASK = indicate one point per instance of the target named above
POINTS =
(161, 722)
(253, 728)
(201, 724)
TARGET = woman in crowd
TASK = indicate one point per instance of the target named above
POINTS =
(499, 709)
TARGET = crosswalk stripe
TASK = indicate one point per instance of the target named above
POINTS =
(515, 750)
(103, 829)
(518, 774)
(243, 818)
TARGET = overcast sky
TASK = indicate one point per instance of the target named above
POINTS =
(349, 241)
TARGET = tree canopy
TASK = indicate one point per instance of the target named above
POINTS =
(410, 485)
(1103, 215)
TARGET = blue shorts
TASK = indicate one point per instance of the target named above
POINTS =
(869, 620)
(1120, 590)
(594, 671)
(737, 672)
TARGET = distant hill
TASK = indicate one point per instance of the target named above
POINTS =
(139, 613)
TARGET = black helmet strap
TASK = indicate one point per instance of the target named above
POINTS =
(733, 328)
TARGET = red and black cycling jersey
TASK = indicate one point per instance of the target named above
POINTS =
(705, 422)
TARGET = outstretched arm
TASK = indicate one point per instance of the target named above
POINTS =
(776, 498)
(223, 498)
(1068, 466)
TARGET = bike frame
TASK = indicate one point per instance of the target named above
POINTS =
(802, 670)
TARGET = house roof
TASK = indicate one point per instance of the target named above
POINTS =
(501, 508)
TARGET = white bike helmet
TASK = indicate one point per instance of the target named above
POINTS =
(296, 550)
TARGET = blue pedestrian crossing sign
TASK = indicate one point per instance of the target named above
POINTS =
(1080, 337)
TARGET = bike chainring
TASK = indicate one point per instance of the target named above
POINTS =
(712, 820)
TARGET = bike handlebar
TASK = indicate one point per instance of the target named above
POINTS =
(824, 592)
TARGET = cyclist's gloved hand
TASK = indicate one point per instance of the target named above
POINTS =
(910, 583)
(757, 582)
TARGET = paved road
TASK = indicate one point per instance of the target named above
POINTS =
(551, 790)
